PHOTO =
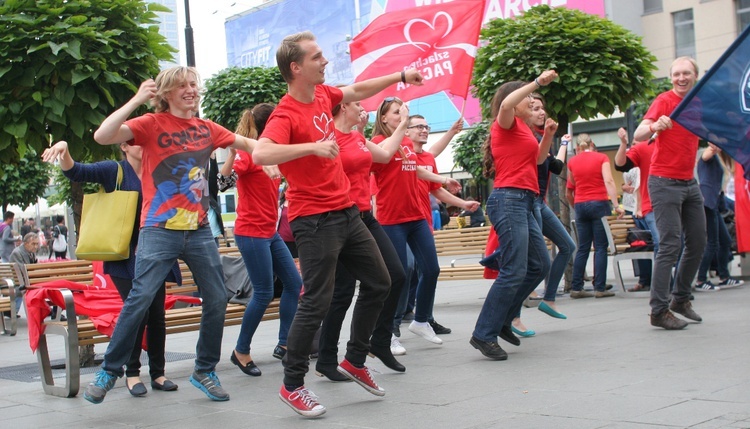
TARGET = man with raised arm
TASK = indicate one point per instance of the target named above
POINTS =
(676, 200)
(176, 149)
(300, 138)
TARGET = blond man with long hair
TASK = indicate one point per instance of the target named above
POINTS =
(176, 147)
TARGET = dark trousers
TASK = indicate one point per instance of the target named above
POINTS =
(155, 335)
(344, 292)
(324, 240)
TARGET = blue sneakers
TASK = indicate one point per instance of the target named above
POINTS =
(209, 383)
(97, 390)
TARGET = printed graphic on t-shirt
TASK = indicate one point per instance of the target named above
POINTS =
(325, 125)
(181, 191)
(408, 163)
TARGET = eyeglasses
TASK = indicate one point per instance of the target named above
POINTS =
(389, 99)
(420, 127)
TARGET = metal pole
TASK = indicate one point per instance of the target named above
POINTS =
(189, 43)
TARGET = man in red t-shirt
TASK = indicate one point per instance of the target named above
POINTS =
(418, 131)
(639, 156)
(300, 138)
(176, 147)
(676, 200)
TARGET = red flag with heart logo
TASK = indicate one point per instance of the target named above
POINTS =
(438, 40)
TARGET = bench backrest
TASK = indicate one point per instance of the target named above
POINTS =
(11, 271)
(617, 233)
(78, 271)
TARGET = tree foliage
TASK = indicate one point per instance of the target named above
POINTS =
(23, 182)
(467, 150)
(235, 89)
(601, 65)
(67, 64)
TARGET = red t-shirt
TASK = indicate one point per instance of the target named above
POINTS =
(426, 160)
(257, 208)
(515, 152)
(174, 164)
(640, 154)
(316, 184)
(398, 197)
(586, 170)
(356, 160)
(674, 155)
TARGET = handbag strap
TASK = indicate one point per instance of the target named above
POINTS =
(119, 177)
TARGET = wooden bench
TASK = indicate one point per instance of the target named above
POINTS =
(617, 233)
(81, 332)
(617, 243)
(461, 241)
(10, 277)
(76, 333)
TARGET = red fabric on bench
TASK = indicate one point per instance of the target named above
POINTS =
(101, 304)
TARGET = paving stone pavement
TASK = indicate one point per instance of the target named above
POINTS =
(603, 367)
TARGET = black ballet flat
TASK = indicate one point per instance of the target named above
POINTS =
(167, 386)
(249, 369)
(138, 389)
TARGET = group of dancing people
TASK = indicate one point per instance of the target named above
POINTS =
(313, 138)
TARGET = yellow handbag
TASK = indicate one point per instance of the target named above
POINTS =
(107, 224)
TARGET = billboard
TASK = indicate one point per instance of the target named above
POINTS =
(252, 39)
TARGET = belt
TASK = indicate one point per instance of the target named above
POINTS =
(365, 213)
(685, 181)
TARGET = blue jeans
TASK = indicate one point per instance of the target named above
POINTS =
(590, 228)
(645, 266)
(323, 240)
(408, 297)
(718, 246)
(522, 257)
(157, 251)
(417, 235)
(263, 257)
(553, 229)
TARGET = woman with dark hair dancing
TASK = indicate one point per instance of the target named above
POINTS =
(513, 153)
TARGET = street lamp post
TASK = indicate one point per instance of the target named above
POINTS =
(189, 43)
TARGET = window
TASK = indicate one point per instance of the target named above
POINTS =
(651, 6)
(743, 14)
(684, 33)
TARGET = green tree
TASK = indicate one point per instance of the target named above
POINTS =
(467, 152)
(601, 65)
(23, 182)
(67, 64)
(235, 89)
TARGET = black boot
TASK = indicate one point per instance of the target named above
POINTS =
(330, 373)
(385, 356)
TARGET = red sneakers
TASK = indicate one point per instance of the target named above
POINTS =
(361, 376)
(302, 401)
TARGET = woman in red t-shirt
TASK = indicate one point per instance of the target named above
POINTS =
(262, 249)
(400, 212)
(512, 154)
(590, 188)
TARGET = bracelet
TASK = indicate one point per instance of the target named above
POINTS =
(536, 81)
(651, 128)
(564, 142)
(403, 76)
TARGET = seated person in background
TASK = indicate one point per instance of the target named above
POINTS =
(476, 217)
(24, 254)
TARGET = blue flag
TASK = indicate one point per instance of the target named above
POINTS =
(718, 108)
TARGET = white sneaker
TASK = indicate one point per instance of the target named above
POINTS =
(425, 331)
(396, 348)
